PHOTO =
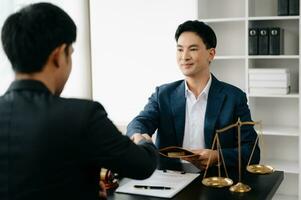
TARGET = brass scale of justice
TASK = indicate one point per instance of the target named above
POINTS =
(219, 181)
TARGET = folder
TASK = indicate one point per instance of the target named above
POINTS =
(282, 7)
(269, 91)
(253, 41)
(268, 70)
(268, 84)
(176, 152)
(263, 41)
(293, 7)
(275, 41)
(269, 76)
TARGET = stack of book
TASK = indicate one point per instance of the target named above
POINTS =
(266, 81)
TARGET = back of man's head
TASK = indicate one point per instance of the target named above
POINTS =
(204, 31)
(31, 34)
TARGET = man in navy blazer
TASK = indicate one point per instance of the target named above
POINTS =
(186, 113)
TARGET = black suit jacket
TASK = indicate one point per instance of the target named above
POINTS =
(53, 148)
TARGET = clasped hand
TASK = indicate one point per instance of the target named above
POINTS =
(137, 137)
(202, 159)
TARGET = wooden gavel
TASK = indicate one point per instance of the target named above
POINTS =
(108, 178)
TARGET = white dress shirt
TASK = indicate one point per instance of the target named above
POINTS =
(195, 118)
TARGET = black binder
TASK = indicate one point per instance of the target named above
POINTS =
(282, 7)
(275, 41)
(293, 7)
(263, 41)
(253, 41)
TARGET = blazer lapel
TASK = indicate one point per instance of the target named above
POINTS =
(178, 103)
(214, 104)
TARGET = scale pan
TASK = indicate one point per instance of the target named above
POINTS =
(260, 169)
(217, 182)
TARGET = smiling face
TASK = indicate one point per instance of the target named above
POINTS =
(193, 57)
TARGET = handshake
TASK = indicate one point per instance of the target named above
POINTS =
(138, 137)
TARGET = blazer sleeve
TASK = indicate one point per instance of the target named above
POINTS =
(248, 137)
(104, 146)
(148, 119)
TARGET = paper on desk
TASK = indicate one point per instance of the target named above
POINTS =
(173, 179)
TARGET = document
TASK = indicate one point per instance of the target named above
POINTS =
(161, 184)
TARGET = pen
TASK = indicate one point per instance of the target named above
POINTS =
(173, 171)
(152, 187)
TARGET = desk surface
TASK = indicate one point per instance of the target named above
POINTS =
(263, 187)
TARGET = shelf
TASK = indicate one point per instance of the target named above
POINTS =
(208, 9)
(217, 20)
(280, 113)
(266, 18)
(283, 165)
(293, 95)
(279, 131)
(284, 197)
(229, 57)
(274, 57)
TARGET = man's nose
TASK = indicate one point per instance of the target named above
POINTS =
(186, 55)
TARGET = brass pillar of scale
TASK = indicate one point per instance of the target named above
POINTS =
(218, 181)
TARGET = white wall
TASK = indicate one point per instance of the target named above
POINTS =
(79, 83)
(6, 74)
(133, 51)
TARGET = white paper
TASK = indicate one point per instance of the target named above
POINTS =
(173, 179)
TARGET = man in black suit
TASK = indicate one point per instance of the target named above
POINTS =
(53, 147)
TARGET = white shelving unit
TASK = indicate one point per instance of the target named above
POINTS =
(280, 114)
(279, 131)
(288, 166)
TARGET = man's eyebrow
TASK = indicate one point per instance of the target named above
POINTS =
(193, 45)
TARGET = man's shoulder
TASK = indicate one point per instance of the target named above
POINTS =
(171, 86)
(79, 104)
(230, 89)
(74, 101)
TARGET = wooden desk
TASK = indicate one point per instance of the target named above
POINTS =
(263, 187)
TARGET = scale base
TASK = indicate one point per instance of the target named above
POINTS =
(240, 187)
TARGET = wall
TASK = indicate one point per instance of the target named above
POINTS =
(6, 74)
(79, 83)
(133, 51)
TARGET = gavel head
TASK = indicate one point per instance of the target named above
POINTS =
(108, 178)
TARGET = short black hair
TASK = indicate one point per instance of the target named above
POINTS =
(31, 34)
(204, 31)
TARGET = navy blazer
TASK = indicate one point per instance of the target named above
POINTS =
(165, 113)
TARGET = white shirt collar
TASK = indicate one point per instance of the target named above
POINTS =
(205, 90)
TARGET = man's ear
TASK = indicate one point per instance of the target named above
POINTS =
(212, 53)
(58, 55)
